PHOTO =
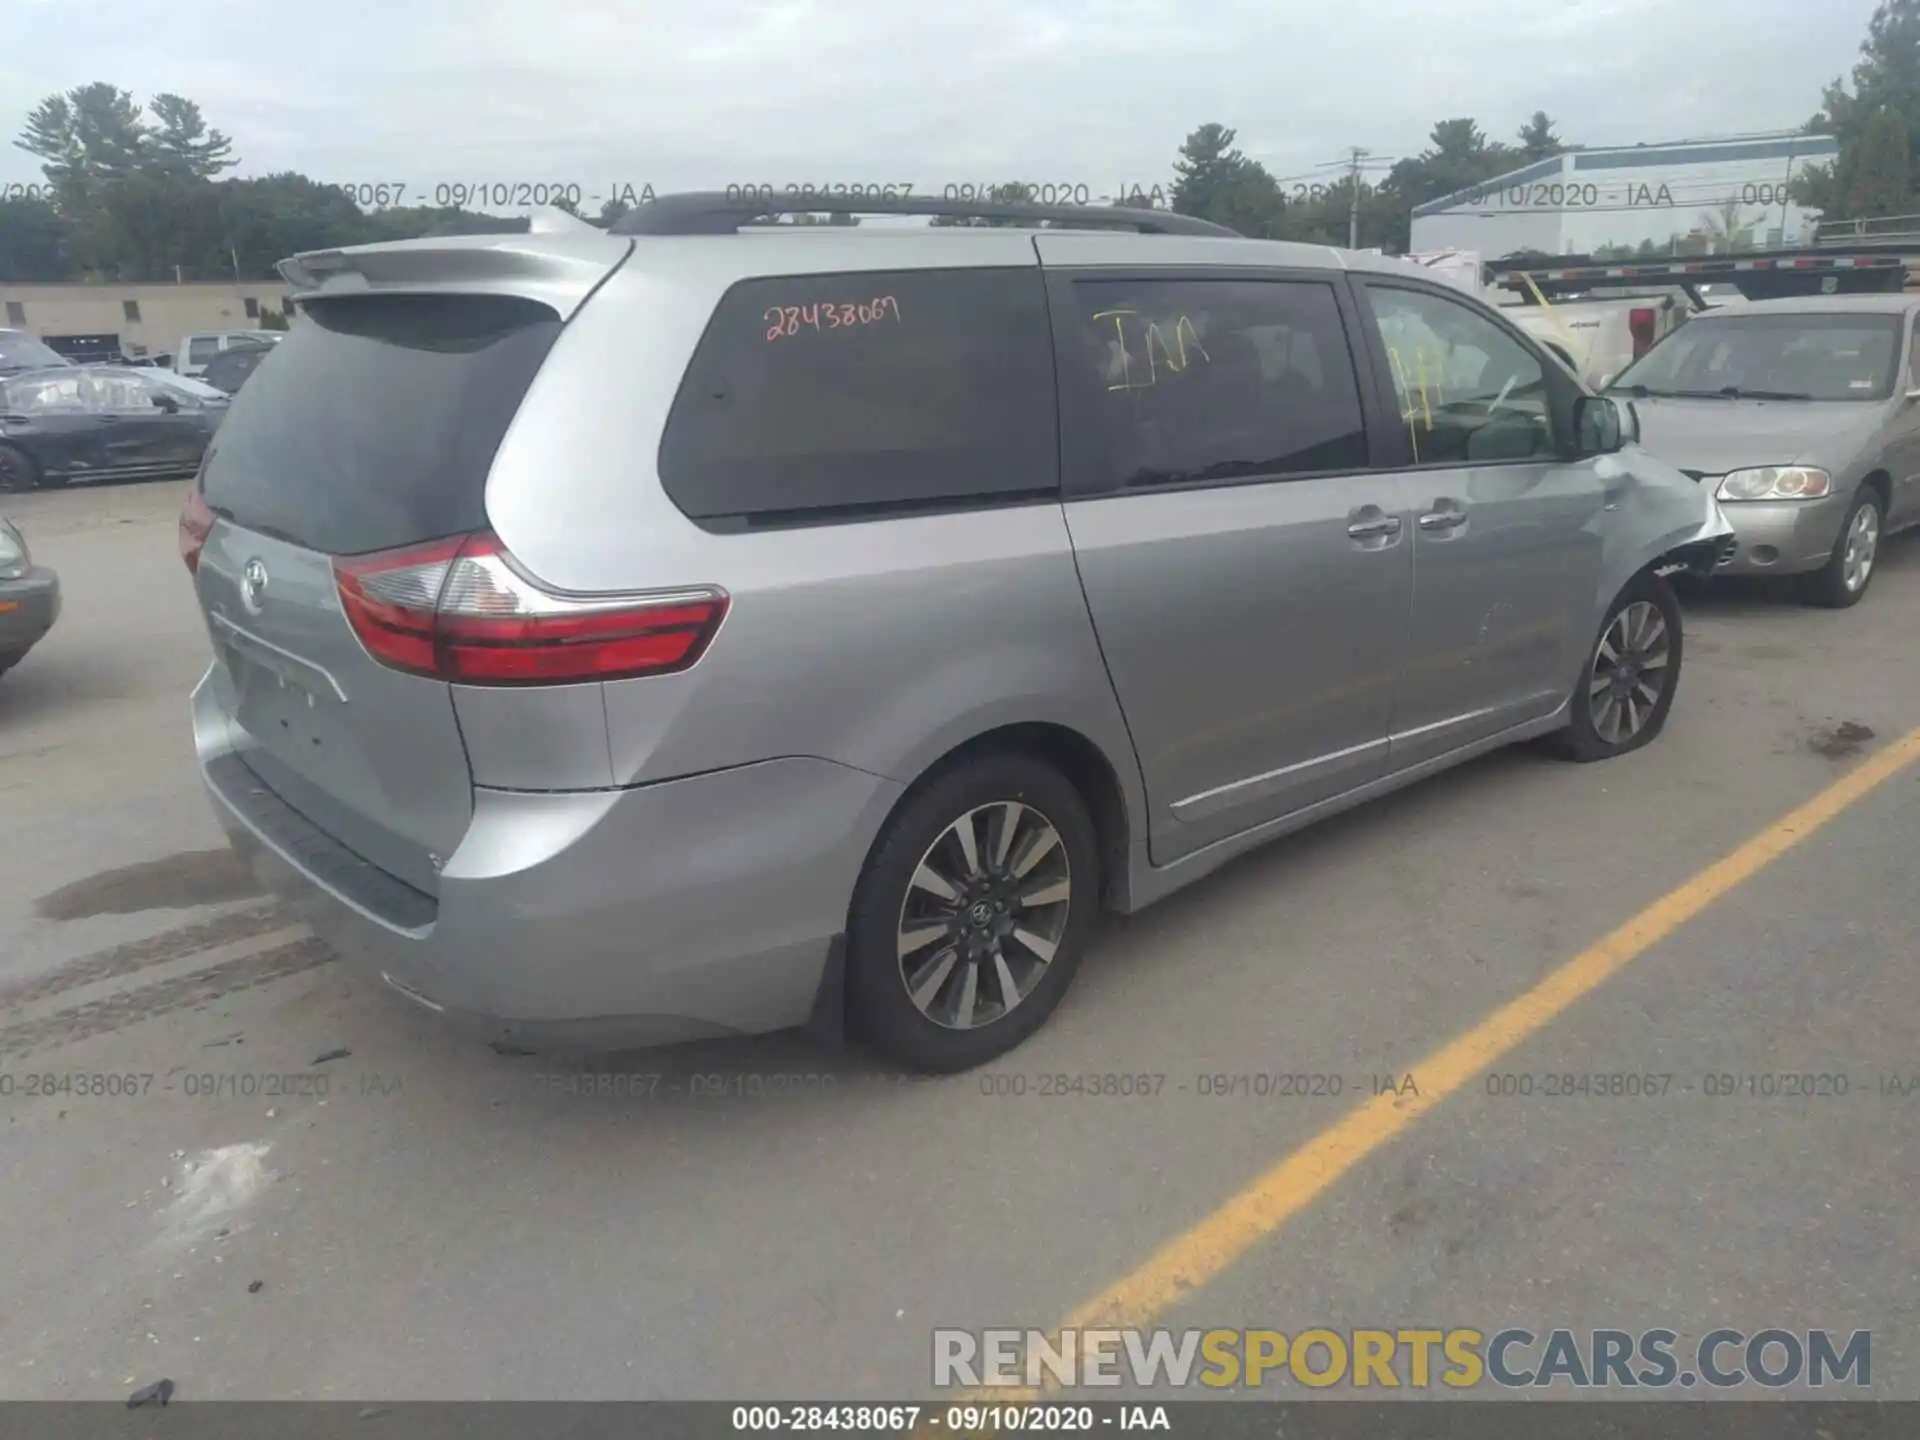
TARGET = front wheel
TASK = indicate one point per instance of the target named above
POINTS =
(1843, 580)
(971, 915)
(1627, 688)
(18, 473)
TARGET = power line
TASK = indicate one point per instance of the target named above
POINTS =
(1359, 159)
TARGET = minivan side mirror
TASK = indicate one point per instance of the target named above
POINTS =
(1597, 425)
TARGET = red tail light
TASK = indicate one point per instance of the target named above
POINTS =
(461, 610)
(196, 522)
(1641, 322)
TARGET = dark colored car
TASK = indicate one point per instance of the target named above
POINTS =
(20, 352)
(29, 598)
(102, 422)
(229, 370)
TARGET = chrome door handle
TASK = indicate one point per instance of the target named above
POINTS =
(1372, 529)
(1443, 519)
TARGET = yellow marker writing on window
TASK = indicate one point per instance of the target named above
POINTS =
(1120, 334)
(1178, 355)
(1408, 413)
(1183, 334)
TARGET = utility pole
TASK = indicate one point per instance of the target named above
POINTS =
(1354, 158)
(1359, 160)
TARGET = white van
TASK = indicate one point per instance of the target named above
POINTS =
(196, 350)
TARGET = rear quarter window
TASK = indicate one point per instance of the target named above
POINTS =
(848, 393)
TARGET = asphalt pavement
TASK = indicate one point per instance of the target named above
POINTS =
(198, 1195)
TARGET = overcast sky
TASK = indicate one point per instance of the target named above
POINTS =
(701, 95)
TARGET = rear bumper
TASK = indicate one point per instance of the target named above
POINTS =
(1787, 538)
(28, 608)
(597, 919)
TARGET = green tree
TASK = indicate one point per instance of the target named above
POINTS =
(263, 220)
(1886, 78)
(89, 140)
(133, 197)
(1875, 176)
(32, 242)
(415, 221)
(1214, 181)
(1323, 216)
(181, 145)
(1458, 157)
(91, 133)
(1537, 140)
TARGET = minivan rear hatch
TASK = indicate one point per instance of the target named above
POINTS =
(371, 428)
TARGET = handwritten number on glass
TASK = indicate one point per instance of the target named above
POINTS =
(786, 320)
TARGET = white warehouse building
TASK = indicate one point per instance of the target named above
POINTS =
(1633, 195)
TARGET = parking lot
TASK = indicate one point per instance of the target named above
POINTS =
(195, 1193)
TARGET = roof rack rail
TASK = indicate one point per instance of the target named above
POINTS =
(714, 213)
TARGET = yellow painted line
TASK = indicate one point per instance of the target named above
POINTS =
(1203, 1252)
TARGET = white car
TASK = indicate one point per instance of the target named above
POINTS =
(196, 350)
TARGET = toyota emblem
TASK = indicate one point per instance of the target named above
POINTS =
(253, 584)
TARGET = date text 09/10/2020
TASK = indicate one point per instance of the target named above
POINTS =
(523, 194)
(532, 194)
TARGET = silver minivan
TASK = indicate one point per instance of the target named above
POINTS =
(712, 627)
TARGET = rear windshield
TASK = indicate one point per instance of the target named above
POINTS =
(377, 422)
(23, 352)
(851, 392)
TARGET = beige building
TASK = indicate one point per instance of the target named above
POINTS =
(100, 321)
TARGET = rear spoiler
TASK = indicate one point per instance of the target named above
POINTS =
(557, 263)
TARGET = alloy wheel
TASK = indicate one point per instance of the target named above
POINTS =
(984, 914)
(1863, 543)
(1629, 672)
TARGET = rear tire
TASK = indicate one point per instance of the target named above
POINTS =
(992, 919)
(18, 471)
(1843, 580)
(1632, 673)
